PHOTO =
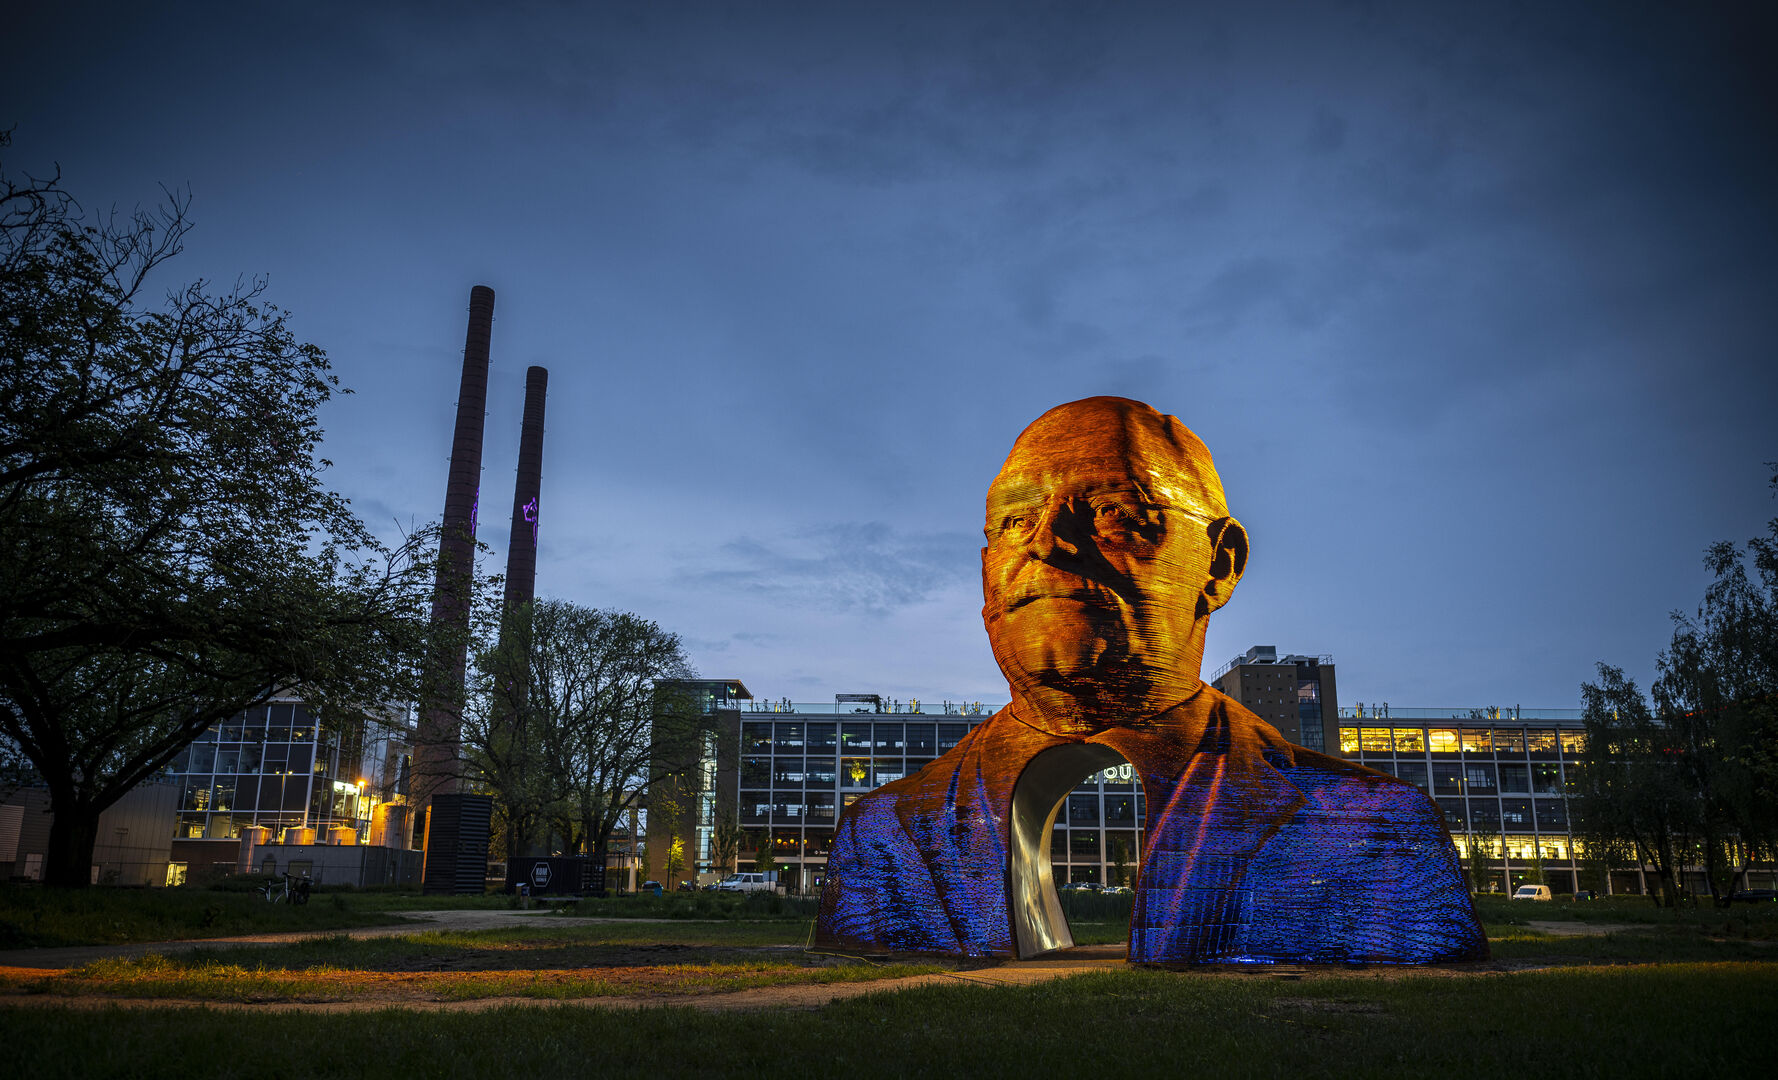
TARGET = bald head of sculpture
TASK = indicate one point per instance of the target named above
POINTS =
(1108, 546)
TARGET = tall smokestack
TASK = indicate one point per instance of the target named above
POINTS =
(521, 553)
(436, 754)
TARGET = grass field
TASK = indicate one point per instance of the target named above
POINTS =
(1605, 1021)
(1615, 987)
(32, 917)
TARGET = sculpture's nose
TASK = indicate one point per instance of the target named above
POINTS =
(1054, 532)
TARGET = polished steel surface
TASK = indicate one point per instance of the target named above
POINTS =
(1038, 923)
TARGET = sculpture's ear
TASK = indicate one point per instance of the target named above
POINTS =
(1228, 561)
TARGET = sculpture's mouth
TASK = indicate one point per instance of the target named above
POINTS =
(1088, 595)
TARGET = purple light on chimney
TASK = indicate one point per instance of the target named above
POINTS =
(521, 550)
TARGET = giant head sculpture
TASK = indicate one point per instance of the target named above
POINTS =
(1108, 546)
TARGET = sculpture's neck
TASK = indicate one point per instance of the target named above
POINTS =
(1080, 715)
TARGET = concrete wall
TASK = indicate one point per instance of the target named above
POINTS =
(134, 839)
(339, 864)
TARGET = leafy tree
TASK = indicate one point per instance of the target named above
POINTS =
(1483, 840)
(1715, 693)
(1695, 779)
(574, 719)
(1628, 794)
(726, 841)
(1120, 861)
(675, 860)
(168, 553)
(506, 743)
(765, 855)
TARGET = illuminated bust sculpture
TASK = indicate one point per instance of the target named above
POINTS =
(1109, 545)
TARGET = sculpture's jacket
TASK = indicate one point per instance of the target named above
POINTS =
(1256, 850)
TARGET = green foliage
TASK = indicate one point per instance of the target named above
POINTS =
(765, 853)
(1120, 861)
(1693, 780)
(726, 841)
(168, 552)
(568, 723)
(1483, 843)
(31, 916)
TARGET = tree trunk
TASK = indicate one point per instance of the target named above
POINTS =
(69, 862)
(596, 848)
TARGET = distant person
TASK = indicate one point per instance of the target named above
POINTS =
(1108, 547)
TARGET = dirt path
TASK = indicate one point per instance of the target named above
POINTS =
(1577, 929)
(422, 922)
(1011, 973)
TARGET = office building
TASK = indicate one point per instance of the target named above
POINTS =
(1295, 694)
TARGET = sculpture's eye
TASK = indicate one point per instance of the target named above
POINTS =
(1113, 518)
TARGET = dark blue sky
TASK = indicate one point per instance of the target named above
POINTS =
(1472, 303)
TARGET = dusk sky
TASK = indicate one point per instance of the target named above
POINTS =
(1473, 304)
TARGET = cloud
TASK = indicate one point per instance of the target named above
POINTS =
(855, 566)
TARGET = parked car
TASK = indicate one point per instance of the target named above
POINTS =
(1119, 890)
(752, 882)
(1532, 892)
(649, 887)
(1082, 886)
(1754, 896)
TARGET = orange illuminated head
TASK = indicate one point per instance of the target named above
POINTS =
(1108, 546)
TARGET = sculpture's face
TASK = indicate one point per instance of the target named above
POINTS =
(1096, 560)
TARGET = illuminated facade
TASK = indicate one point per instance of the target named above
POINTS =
(1497, 775)
(801, 764)
(278, 766)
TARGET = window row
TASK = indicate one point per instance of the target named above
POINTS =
(276, 723)
(783, 773)
(1504, 742)
(274, 757)
(1477, 777)
(928, 740)
(1494, 815)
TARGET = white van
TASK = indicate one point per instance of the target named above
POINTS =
(748, 883)
(1532, 892)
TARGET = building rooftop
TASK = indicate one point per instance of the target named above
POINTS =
(1488, 714)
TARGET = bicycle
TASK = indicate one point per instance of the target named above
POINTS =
(297, 893)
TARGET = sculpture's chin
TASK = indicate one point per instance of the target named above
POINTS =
(1072, 644)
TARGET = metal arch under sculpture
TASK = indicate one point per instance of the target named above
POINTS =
(1038, 923)
(1109, 545)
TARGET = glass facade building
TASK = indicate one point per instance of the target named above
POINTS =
(279, 766)
(1497, 775)
(798, 768)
